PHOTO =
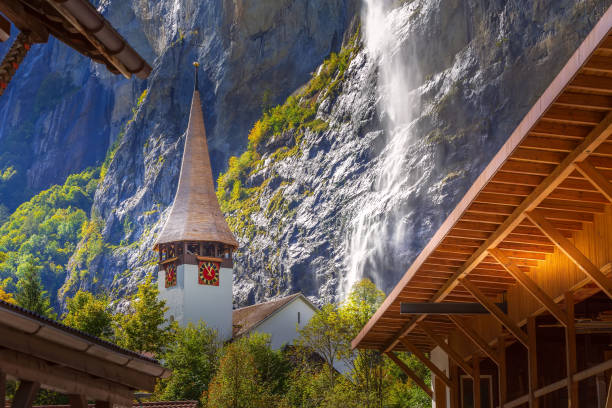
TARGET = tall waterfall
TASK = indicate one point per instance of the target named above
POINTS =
(376, 230)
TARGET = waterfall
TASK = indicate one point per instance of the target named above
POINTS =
(376, 229)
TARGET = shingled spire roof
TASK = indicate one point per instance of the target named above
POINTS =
(195, 214)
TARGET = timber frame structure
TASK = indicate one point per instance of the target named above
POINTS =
(533, 231)
(42, 353)
(74, 22)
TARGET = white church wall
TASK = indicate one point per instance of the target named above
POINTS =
(189, 301)
(282, 325)
(440, 359)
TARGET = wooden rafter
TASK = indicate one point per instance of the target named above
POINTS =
(446, 347)
(423, 358)
(495, 311)
(471, 334)
(598, 180)
(25, 394)
(573, 253)
(501, 370)
(570, 351)
(413, 376)
(529, 285)
(5, 29)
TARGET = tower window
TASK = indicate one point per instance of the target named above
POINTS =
(299, 318)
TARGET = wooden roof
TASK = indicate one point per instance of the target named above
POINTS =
(195, 214)
(249, 317)
(79, 25)
(544, 172)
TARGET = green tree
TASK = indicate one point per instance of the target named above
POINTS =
(90, 314)
(193, 358)
(4, 295)
(237, 383)
(328, 333)
(144, 328)
(30, 293)
(272, 366)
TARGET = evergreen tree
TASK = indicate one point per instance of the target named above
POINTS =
(193, 358)
(144, 328)
(89, 314)
(30, 293)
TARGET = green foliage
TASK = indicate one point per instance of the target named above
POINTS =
(47, 228)
(4, 295)
(89, 314)
(30, 293)
(193, 357)
(144, 327)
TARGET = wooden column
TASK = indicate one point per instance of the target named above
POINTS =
(78, 401)
(454, 389)
(570, 351)
(476, 381)
(609, 399)
(103, 404)
(501, 371)
(417, 380)
(24, 397)
(600, 383)
(532, 361)
(2, 389)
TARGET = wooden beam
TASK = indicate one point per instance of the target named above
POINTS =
(5, 29)
(454, 389)
(432, 367)
(599, 181)
(417, 380)
(532, 361)
(2, 388)
(495, 311)
(475, 338)
(529, 285)
(103, 404)
(52, 352)
(446, 348)
(570, 351)
(24, 21)
(28, 368)
(501, 371)
(604, 283)
(78, 401)
(24, 397)
(476, 381)
(609, 399)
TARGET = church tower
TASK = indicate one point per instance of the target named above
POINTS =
(195, 245)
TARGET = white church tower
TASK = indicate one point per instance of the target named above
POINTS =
(195, 245)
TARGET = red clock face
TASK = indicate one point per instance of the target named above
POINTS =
(208, 273)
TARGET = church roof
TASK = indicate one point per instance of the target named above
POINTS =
(247, 318)
(195, 214)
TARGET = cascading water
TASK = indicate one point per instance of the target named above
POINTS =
(376, 230)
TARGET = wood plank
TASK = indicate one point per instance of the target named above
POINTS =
(529, 285)
(586, 101)
(24, 397)
(532, 361)
(15, 11)
(495, 311)
(609, 399)
(78, 401)
(596, 178)
(28, 368)
(570, 351)
(471, 334)
(432, 367)
(417, 380)
(5, 31)
(573, 115)
(502, 370)
(476, 381)
(560, 129)
(591, 83)
(580, 196)
(2, 388)
(604, 283)
(57, 354)
(454, 391)
(445, 347)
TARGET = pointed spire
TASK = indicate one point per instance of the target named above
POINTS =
(195, 214)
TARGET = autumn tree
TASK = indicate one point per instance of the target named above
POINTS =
(89, 314)
(4, 295)
(144, 328)
(193, 357)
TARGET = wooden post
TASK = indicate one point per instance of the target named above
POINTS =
(533, 361)
(501, 370)
(25, 394)
(103, 404)
(432, 367)
(570, 351)
(454, 389)
(600, 383)
(2, 389)
(78, 401)
(609, 399)
(476, 381)
(417, 380)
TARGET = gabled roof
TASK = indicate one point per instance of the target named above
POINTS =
(549, 175)
(247, 318)
(195, 214)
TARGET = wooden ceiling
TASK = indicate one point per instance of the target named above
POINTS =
(535, 174)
